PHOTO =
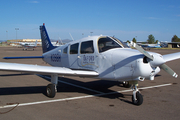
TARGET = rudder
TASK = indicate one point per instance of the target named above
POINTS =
(46, 43)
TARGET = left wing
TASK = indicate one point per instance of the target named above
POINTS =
(45, 70)
(24, 57)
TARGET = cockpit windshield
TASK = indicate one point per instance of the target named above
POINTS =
(106, 43)
(121, 42)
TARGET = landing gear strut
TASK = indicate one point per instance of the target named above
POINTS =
(52, 88)
(137, 98)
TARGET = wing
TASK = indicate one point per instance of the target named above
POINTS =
(172, 56)
(45, 70)
(24, 57)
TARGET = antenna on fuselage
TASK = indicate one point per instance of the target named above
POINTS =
(71, 36)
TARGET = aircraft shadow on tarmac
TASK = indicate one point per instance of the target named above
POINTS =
(97, 85)
(6, 75)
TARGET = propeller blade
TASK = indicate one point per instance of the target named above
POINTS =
(140, 49)
(168, 70)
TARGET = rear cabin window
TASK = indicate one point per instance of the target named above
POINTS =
(87, 47)
(107, 43)
(74, 48)
(65, 50)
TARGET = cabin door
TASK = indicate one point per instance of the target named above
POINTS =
(73, 56)
(87, 58)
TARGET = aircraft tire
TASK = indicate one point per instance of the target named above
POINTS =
(50, 90)
(126, 84)
(139, 100)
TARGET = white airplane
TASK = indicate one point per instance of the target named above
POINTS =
(29, 45)
(148, 46)
(101, 57)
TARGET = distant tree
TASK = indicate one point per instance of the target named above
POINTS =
(134, 40)
(128, 41)
(156, 41)
(144, 42)
(175, 39)
(151, 39)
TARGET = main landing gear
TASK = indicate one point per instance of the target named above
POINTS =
(126, 84)
(137, 98)
(52, 88)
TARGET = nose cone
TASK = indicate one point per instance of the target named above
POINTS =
(157, 60)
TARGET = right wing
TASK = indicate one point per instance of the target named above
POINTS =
(45, 70)
(170, 57)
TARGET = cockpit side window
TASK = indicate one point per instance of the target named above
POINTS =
(107, 43)
(65, 50)
(87, 47)
(74, 48)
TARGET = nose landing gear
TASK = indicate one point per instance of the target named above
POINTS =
(137, 98)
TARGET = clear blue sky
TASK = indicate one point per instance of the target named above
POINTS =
(123, 19)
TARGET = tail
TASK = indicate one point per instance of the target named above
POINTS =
(46, 43)
(36, 43)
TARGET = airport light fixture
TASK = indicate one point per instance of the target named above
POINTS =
(16, 32)
(91, 33)
(6, 35)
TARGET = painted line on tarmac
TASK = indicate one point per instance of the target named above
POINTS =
(81, 97)
(72, 84)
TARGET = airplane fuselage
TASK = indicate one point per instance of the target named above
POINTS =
(105, 55)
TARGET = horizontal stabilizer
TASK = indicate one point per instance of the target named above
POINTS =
(170, 57)
(25, 57)
(45, 70)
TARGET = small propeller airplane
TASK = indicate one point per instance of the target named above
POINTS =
(101, 57)
(148, 46)
(30, 45)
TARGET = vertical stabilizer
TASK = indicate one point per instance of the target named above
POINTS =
(36, 43)
(46, 43)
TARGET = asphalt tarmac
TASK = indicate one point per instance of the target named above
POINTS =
(22, 96)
